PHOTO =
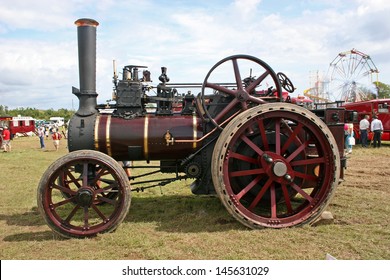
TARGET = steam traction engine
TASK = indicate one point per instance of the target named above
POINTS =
(272, 163)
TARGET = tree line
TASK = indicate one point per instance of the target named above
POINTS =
(37, 114)
(383, 90)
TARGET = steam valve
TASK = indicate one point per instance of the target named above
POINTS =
(163, 77)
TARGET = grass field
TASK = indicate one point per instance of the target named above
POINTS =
(171, 223)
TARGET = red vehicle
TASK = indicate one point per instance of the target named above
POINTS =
(380, 107)
(18, 125)
(303, 101)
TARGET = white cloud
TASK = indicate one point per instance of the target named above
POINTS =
(38, 47)
(38, 15)
(246, 8)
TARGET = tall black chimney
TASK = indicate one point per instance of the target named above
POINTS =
(86, 34)
(82, 124)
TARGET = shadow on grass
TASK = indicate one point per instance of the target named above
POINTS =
(180, 213)
(34, 236)
(170, 213)
(29, 218)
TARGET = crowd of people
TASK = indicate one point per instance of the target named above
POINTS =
(44, 132)
(365, 127)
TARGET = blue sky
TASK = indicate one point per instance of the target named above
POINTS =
(38, 47)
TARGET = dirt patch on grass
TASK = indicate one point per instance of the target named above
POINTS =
(369, 169)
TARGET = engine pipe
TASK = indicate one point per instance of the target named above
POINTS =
(86, 35)
(81, 125)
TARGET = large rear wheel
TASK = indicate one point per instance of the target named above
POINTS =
(276, 165)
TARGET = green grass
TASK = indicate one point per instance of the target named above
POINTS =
(171, 223)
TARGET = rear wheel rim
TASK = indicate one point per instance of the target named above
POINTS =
(277, 166)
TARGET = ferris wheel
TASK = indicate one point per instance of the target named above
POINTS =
(350, 77)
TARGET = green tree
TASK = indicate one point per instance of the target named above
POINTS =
(36, 113)
(383, 90)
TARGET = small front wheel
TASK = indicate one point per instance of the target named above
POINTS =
(84, 193)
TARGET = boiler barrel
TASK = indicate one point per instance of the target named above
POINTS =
(146, 138)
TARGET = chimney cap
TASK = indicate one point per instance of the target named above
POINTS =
(86, 22)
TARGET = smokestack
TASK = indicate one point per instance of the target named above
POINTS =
(86, 34)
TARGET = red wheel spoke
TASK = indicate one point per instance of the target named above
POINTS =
(221, 89)
(260, 194)
(248, 187)
(277, 136)
(291, 138)
(242, 157)
(298, 151)
(103, 190)
(101, 215)
(63, 202)
(273, 202)
(72, 213)
(85, 174)
(244, 106)
(226, 110)
(252, 145)
(256, 82)
(246, 172)
(263, 134)
(99, 174)
(107, 181)
(256, 100)
(306, 176)
(86, 217)
(63, 189)
(72, 179)
(287, 198)
(237, 74)
(302, 192)
(105, 199)
(308, 161)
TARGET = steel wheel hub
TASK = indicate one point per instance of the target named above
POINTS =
(277, 168)
(85, 197)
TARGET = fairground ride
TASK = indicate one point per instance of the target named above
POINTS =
(350, 77)
(316, 91)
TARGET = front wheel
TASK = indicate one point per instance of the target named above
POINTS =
(84, 193)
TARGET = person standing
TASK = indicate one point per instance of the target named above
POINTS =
(1, 137)
(364, 127)
(6, 139)
(56, 136)
(350, 138)
(41, 135)
(346, 127)
(377, 129)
